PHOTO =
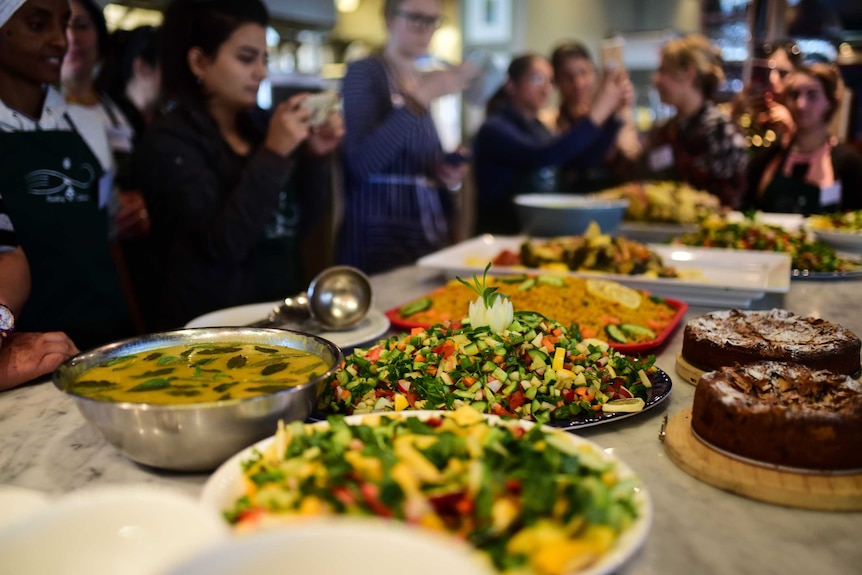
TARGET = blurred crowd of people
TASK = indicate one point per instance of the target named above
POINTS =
(141, 186)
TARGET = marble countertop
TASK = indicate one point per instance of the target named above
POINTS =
(46, 445)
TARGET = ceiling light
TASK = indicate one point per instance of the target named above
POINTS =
(347, 5)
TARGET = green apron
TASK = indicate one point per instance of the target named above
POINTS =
(55, 194)
(277, 254)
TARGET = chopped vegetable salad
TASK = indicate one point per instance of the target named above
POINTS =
(749, 234)
(534, 500)
(536, 369)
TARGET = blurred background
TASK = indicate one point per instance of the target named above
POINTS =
(312, 40)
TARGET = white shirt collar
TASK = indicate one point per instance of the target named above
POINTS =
(52, 118)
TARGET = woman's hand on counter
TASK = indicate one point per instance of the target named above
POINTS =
(289, 126)
(26, 356)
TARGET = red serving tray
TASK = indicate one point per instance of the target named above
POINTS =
(627, 348)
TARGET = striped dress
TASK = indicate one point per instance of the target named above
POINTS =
(395, 211)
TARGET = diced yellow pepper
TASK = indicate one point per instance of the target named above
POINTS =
(367, 466)
(564, 557)
(400, 402)
(311, 505)
(503, 513)
(565, 374)
(559, 358)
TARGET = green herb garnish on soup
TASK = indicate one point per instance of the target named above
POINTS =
(235, 368)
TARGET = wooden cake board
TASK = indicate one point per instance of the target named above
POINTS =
(806, 490)
(687, 371)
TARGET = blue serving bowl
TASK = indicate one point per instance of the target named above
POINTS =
(548, 215)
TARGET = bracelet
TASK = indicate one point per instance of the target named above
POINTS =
(7, 321)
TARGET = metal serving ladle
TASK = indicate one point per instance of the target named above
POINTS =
(337, 299)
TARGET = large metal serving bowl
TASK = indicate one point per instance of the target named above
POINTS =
(547, 215)
(196, 437)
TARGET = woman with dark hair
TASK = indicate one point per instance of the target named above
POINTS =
(131, 76)
(88, 43)
(700, 145)
(227, 202)
(576, 80)
(515, 153)
(812, 173)
(760, 109)
(55, 268)
(398, 206)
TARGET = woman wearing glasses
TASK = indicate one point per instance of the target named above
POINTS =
(396, 182)
(515, 153)
(813, 173)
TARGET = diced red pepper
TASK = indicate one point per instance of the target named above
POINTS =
(516, 400)
(371, 494)
(498, 409)
(513, 485)
(374, 354)
(343, 495)
(250, 516)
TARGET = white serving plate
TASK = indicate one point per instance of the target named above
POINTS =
(727, 278)
(365, 546)
(848, 241)
(658, 232)
(115, 530)
(372, 325)
(790, 222)
(226, 485)
(664, 232)
(17, 503)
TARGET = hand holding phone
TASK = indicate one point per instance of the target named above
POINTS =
(320, 105)
(612, 53)
(457, 157)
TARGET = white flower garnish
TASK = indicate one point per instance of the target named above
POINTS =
(490, 308)
(498, 317)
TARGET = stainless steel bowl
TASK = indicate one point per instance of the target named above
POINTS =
(196, 437)
(548, 215)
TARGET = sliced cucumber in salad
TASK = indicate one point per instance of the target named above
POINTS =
(536, 369)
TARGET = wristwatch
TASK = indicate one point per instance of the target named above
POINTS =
(7, 320)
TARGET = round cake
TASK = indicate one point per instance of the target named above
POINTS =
(733, 337)
(781, 413)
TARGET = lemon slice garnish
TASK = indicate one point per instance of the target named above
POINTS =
(627, 405)
(612, 291)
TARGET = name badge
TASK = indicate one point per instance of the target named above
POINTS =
(106, 188)
(661, 158)
(830, 195)
(120, 138)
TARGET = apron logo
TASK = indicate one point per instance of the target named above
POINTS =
(286, 220)
(59, 187)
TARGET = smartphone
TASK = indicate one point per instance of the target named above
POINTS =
(612, 53)
(320, 105)
(760, 71)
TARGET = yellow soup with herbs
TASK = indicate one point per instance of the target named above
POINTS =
(199, 373)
